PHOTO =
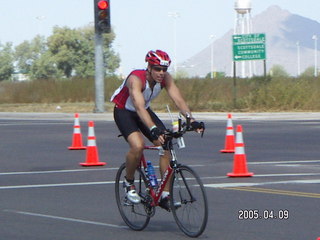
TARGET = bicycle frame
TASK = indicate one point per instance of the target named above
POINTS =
(155, 193)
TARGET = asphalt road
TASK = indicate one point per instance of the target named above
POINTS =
(46, 194)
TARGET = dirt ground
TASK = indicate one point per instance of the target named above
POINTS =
(52, 107)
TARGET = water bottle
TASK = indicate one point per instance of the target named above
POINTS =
(152, 175)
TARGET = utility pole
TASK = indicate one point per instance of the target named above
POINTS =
(211, 57)
(175, 16)
(315, 38)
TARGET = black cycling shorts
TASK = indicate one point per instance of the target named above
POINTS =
(129, 122)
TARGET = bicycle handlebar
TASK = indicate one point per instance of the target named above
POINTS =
(184, 127)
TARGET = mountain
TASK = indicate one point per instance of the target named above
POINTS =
(283, 31)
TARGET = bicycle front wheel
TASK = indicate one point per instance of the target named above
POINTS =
(189, 201)
(134, 215)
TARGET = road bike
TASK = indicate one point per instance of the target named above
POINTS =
(188, 198)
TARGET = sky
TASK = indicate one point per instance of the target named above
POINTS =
(140, 25)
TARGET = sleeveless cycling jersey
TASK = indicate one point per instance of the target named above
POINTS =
(122, 98)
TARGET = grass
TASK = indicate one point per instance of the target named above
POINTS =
(255, 94)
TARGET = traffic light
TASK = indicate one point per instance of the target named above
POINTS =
(102, 16)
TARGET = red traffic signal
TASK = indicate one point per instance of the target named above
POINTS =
(103, 5)
(102, 16)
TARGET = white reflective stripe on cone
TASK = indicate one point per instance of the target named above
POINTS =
(76, 122)
(91, 132)
(91, 142)
(76, 129)
(230, 132)
(240, 150)
(239, 138)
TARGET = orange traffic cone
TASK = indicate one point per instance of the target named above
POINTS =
(239, 161)
(77, 137)
(92, 157)
(229, 140)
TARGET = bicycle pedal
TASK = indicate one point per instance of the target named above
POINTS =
(150, 211)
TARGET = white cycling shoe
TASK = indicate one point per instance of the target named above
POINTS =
(131, 192)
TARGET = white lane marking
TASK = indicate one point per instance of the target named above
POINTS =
(286, 174)
(55, 185)
(226, 185)
(284, 162)
(34, 123)
(65, 219)
(72, 170)
(289, 165)
(203, 178)
(116, 168)
(57, 171)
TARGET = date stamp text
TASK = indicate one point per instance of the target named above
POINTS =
(255, 214)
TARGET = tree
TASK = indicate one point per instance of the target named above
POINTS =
(278, 71)
(73, 51)
(29, 52)
(6, 61)
(67, 52)
(84, 63)
(45, 68)
(216, 75)
(181, 74)
(64, 46)
(309, 72)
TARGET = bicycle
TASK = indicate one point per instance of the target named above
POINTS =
(188, 198)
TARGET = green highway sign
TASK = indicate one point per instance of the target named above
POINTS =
(249, 47)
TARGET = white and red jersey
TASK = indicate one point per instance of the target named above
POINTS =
(121, 96)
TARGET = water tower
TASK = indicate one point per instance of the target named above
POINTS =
(243, 25)
(242, 6)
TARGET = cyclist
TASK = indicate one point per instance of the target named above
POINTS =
(134, 117)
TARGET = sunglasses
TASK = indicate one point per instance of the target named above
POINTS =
(159, 69)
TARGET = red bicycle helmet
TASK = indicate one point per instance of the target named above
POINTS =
(158, 57)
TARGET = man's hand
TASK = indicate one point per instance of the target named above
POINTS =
(198, 126)
(157, 134)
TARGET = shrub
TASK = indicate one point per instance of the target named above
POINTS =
(202, 94)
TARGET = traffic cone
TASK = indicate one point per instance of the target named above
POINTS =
(239, 161)
(229, 140)
(92, 157)
(77, 137)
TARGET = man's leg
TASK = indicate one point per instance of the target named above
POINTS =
(164, 163)
(165, 196)
(136, 144)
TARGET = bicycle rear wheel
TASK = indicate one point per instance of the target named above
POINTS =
(134, 215)
(189, 201)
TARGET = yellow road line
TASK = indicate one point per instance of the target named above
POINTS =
(275, 191)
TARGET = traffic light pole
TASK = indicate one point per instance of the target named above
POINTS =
(99, 74)
(101, 25)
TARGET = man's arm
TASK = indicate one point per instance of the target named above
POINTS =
(176, 96)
